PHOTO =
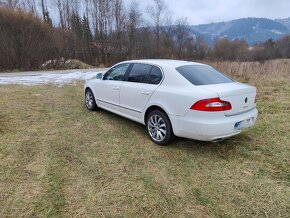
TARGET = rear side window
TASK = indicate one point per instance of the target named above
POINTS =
(155, 75)
(145, 73)
(203, 75)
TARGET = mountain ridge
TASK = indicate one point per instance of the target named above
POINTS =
(253, 30)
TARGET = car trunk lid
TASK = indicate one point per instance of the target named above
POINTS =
(241, 96)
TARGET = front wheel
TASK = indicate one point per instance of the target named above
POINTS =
(159, 128)
(90, 100)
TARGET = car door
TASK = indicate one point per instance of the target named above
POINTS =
(108, 90)
(140, 84)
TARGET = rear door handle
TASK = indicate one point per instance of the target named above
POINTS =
(116, 88)
(145, 92)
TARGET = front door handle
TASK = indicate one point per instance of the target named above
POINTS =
(116, 88)
(145, 92)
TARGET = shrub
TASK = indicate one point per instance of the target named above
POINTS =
(25, 40)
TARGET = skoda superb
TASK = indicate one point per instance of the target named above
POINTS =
(174, 98)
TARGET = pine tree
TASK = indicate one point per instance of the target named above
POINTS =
(47, 18)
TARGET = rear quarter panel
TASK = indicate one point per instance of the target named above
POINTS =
(176, 95)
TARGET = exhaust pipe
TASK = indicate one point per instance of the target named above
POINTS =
(218, 140)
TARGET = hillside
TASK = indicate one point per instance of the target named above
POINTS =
(285, 22)
(253, 30)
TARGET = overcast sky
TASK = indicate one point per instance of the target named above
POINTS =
(208, 11)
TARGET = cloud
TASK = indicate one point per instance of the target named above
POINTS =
(208, 11)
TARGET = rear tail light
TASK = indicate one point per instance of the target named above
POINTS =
(211, 104)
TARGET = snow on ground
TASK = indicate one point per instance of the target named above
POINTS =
(54, 78)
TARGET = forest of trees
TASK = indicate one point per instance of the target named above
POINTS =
(103, 32)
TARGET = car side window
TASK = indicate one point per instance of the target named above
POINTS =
(155, 75)
(145, 73)
(140, 73)
(117, 72)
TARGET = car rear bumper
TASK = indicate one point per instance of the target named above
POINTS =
(209, 127)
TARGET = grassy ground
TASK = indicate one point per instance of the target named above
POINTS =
(59, 160)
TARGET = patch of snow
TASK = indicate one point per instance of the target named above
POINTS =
(54, 78)
(256, 26)
(277, 32)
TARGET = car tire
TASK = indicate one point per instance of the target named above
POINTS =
(158, 127)
(90, 101)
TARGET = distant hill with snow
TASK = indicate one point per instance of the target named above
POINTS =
(253, 30)
(285, 22)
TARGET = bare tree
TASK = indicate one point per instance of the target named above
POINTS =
(181, 33)
(134, 19)
(76, 5)
(103, 24)
(25, 5)
(118, 14)
(202, 48)
(169, 35)
(43, 8)
(59, 5)
(156, 13)
(31, 5)
(283, 45)
(118, 36)
(67, 12)
(11, 3)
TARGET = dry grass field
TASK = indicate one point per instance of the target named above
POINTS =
(57, 159)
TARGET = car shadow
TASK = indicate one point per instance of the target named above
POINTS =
(224, 148)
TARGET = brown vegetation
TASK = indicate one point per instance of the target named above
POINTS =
(255, 72)
(25, 41)
(106, 32)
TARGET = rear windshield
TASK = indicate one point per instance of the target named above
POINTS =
(202, 75)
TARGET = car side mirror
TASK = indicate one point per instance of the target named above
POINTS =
(99, 76)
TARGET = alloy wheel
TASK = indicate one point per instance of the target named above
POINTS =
(89, 100)
(157, 128)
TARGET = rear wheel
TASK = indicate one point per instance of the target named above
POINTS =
(90, 100)
(159, 128)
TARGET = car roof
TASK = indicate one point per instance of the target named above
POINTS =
(164, 62)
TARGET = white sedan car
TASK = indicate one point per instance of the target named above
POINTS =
(174, 98)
